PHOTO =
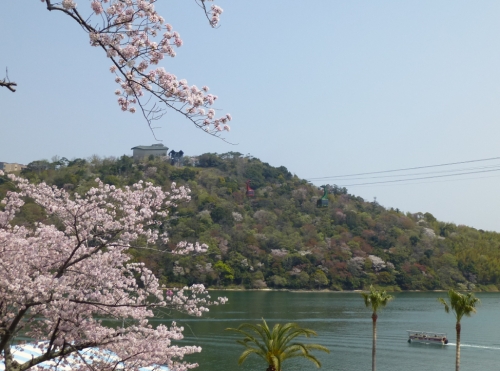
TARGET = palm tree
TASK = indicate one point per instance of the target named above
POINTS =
(376, 299)
(276, 346)
(461, 305)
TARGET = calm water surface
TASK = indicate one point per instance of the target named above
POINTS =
(343, 325)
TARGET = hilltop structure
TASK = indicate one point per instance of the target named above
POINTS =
(176, 157)
(140, 152)
(10, 168)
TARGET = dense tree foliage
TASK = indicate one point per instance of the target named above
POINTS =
(279, 238)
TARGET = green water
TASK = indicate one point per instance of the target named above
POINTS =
(343, 325)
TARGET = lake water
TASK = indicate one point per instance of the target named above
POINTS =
(343, 325)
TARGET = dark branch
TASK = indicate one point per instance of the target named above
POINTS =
(7, 84)
(201, 4)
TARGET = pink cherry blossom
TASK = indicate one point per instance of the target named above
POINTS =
(68, 4)
(136, 39)
(96, 7)
(59, 279)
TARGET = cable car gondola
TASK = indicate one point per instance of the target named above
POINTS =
(250, 191)
(323, 201)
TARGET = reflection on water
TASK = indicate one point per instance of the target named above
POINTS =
(344, 326)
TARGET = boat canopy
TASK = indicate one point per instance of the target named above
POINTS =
(426, 333)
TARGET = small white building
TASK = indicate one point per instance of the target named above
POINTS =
(10, 168)
(140, 152)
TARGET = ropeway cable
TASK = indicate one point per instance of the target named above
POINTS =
(405, 169)
(420, 178)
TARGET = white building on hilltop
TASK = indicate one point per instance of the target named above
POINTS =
(140, 152)
(10, 168)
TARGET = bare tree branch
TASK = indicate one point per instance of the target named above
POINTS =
(7, 83)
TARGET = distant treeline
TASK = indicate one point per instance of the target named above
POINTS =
(280, 238)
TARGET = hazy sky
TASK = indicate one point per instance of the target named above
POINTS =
(324, 88)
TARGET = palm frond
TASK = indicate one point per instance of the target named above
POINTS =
(317, 347)
(249, 351)
(275, 345)
(300, 350)
(376, 298)
(446, 306)
(313, 359)
(248, 338)
(298, 332)
(460, 304)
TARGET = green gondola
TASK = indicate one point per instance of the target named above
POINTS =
(323, 201)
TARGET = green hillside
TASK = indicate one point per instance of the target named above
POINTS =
(280, 238)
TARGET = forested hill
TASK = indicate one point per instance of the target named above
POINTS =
(280, 238)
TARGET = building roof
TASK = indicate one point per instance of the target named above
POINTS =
(159, 147)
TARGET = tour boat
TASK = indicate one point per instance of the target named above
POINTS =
(427, 337)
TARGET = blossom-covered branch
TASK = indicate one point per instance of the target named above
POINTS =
(136, 38)
(58, 279)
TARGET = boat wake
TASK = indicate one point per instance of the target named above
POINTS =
(474, 346)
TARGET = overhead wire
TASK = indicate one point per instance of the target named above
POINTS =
(409, 177)
(426, 173)
(427, 182)
(427, 177)
(405, 169)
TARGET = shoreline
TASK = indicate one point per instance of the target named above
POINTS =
(320, 291)
(389, 290)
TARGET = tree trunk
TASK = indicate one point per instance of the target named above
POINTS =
(271, 368)
(457, 357)
(374, 346)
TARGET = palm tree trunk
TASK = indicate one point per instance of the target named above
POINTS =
(457, 358)
(374, 345)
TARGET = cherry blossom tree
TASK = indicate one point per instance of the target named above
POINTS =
(61, 277)
(136, 39)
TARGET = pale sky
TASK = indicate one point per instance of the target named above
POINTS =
(324, 88)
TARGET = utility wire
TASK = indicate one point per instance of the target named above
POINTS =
(425, 173)
(426, 177)
(430, 182)
(404, 169)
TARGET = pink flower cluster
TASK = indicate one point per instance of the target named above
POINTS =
(136, 39)
(58, 279)
(68, 4)
(215, 15)
(184, 248)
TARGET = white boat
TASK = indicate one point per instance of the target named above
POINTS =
(427, 337)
